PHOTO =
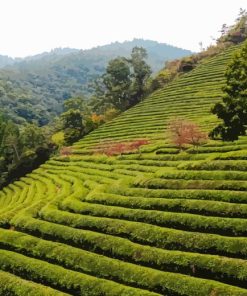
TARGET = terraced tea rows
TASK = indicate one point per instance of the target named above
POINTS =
(153, 222)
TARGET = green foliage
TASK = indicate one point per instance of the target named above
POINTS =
(237, 32)
(58, 138)
(22, 148)
(124, 84)
(68, 280)
(143, 276)
(13, 285)
(72, 125)
(110, 114)
(32, 137)
(141, 73)
(224, 165)
(117, 82)
(233, 109)
(76, 103)
(10, 140)
(173, 69)
(34, 89)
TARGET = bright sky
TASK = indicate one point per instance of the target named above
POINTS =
(29, 27)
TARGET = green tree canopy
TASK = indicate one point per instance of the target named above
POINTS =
(233, 109)
(124, 83)
(73, 126)
(75, 103)
(141, 73)
(32, 137)
(117, 83)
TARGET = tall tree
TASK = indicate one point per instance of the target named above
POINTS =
(141, 73)
(11, 140)
(32, 137)
(75, 103)
(73, 126)
(124, 83)
(2, 132)
(233, 109)
(117, 82)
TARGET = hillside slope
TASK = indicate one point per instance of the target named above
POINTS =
(157, 222)
(35, 88)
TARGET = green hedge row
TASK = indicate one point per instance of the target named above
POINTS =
(135, 167)
(153, 163)
(84, 164)
(81, 174)
(201, 175)
(158, 258)
(213, 208)
(64, 279)
(151, 234)
(225, 165)
(209, 149)
(102, 159)
(239, 155)
(219, 143)
(167, 151)
(13, 285)
(157, 183)
(128, 172)
(190, 222)
(169, 157)
(214, 195)
(25, 198)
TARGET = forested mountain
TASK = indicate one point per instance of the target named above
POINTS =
(35, 87)
(6, 60)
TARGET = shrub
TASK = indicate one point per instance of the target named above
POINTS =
(110, 114)
(117, 148)
(65, 151)
(58, 139)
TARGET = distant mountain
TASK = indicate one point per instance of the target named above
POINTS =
(35, 87)
(56, 52)
(6, 60)
(158, 52)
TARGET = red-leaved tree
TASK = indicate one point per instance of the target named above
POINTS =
(184, 132)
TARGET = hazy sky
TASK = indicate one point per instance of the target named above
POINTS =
(32, 26)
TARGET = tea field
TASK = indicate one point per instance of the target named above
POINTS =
(151, 222)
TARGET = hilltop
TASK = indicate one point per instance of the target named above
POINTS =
(150, 222)
(35, 88)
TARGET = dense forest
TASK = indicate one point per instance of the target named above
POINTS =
(34, 89)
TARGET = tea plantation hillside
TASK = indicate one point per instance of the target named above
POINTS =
(150, 222)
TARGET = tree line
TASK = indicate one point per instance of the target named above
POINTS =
(22, 148)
